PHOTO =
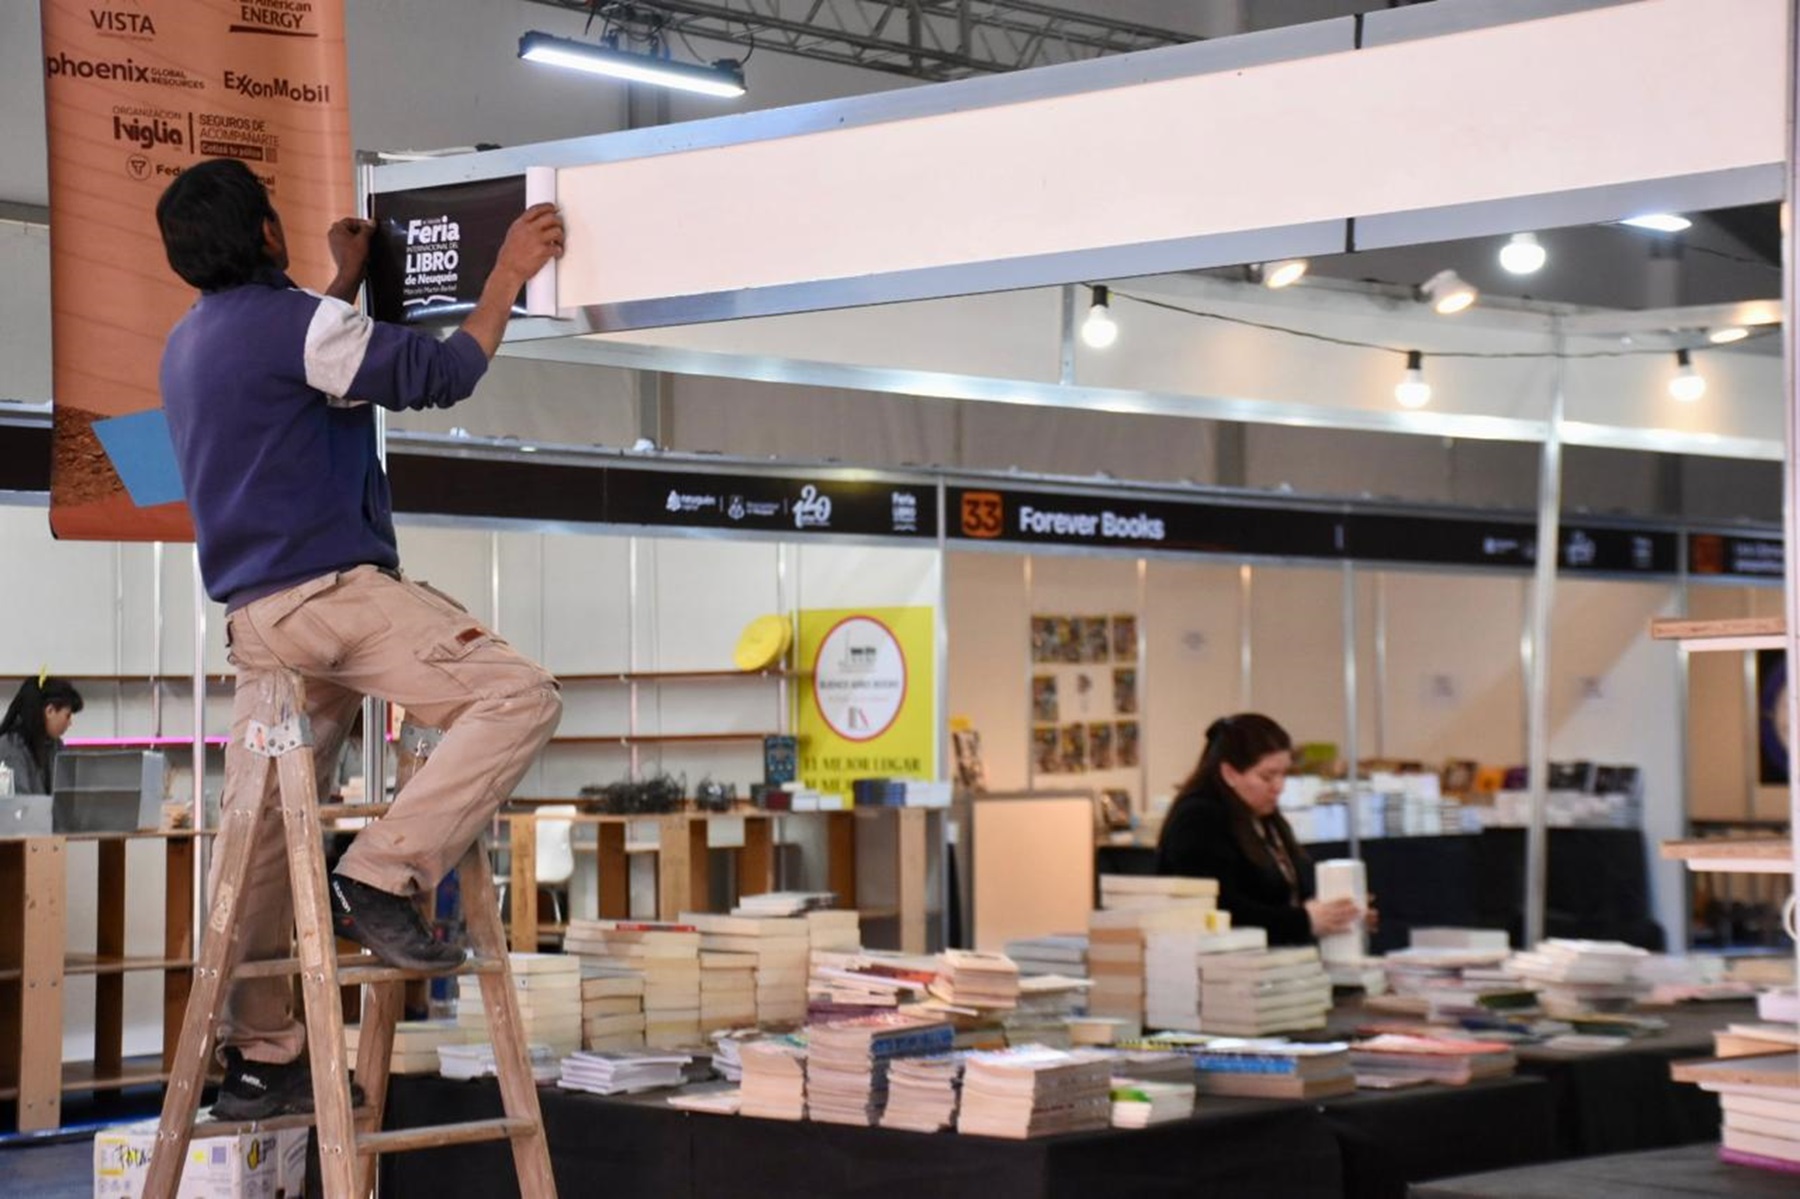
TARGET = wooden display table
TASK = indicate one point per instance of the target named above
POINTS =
(34, 963)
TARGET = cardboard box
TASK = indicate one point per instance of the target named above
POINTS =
(266, 1165)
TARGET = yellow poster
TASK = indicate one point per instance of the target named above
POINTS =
(868, 697)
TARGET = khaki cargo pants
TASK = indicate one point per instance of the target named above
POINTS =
(357, 632)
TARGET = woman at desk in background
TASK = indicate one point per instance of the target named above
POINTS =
(1225, 825)
(32, 730)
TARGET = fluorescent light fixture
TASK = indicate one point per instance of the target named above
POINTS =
(1658, 222)
(1448, 293)
(1727, 335)
(1686, 384)
(723, 78)
(1100, 330)
(1523, 255)
(1412, 391)
(1277, 275)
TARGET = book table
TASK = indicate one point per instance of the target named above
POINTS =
(1368, 1145)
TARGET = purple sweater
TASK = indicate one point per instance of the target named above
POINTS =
(267, 390)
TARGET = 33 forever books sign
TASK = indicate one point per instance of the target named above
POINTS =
(136, 91)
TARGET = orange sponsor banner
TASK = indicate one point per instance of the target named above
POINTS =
(135, 92)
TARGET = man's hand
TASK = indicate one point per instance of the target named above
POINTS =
(534, 239)
(350, 240)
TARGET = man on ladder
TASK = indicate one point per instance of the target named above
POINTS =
(268, 390)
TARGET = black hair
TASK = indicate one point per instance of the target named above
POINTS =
(25, 715)
(1242, 740)
(211, 219)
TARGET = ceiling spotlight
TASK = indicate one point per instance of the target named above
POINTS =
(1658, 222)
(1276, 275)
(1727, 335)
(1100, 330)
(1448, 293)
(1687, 384)
(1523, 255)
(1412, 391)
(723, 78)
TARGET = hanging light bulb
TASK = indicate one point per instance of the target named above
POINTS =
(1276, 275)
(1100, 330)
(1412, 391)
(1687, 384)
(1523, 255)
(1448, 293)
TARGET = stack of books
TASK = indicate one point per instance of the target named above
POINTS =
(1104, 1030)
(464, 1062)
(1064, 954)
(1581, 977)
(416, 1043)
(612, 1008)
(773, 1078)
(1033, 1091)
(1274, 1069)
(778, 945)
(841, 985)
(547, 989)
(784, 903)
(1172, 971)
(1116, 947)
(1150, 1061)
(621, 1073)
(977, 980)
(1262, 992)
(1046, 1004)
(1139, 1103)
(1153, 891)
(727, 989)
(668, 958)
(923, 1092)
(831, 930)
(847, 1063)
(1393, 1057)
(1760, 1099)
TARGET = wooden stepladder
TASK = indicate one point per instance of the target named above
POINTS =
(350, 1139)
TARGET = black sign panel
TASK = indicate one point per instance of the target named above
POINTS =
(1746, 557)
(789, 505)
(1096, 522)
(435, 246)
(1450, 541)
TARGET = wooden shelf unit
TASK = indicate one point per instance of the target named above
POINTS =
(1733, 855)
(35, 965)
(632, 738)
(629, 739)
(1715, 636)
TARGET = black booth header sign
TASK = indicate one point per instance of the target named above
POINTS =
(790, 505)
(435, 247)
(1123, 523)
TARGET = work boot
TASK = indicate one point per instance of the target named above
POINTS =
(390, 927)
(264, 1090)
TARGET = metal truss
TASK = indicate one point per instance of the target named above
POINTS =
(922, 39)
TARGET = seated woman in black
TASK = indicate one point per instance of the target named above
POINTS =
(1225, 825)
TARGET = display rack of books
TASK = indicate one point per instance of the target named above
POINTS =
(1759, 1092)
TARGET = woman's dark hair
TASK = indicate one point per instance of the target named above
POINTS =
(1242, 740)
(25, 715)
(211, 219)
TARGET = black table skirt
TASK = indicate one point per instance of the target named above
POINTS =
(1659, 1174)
(1368, 1146)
